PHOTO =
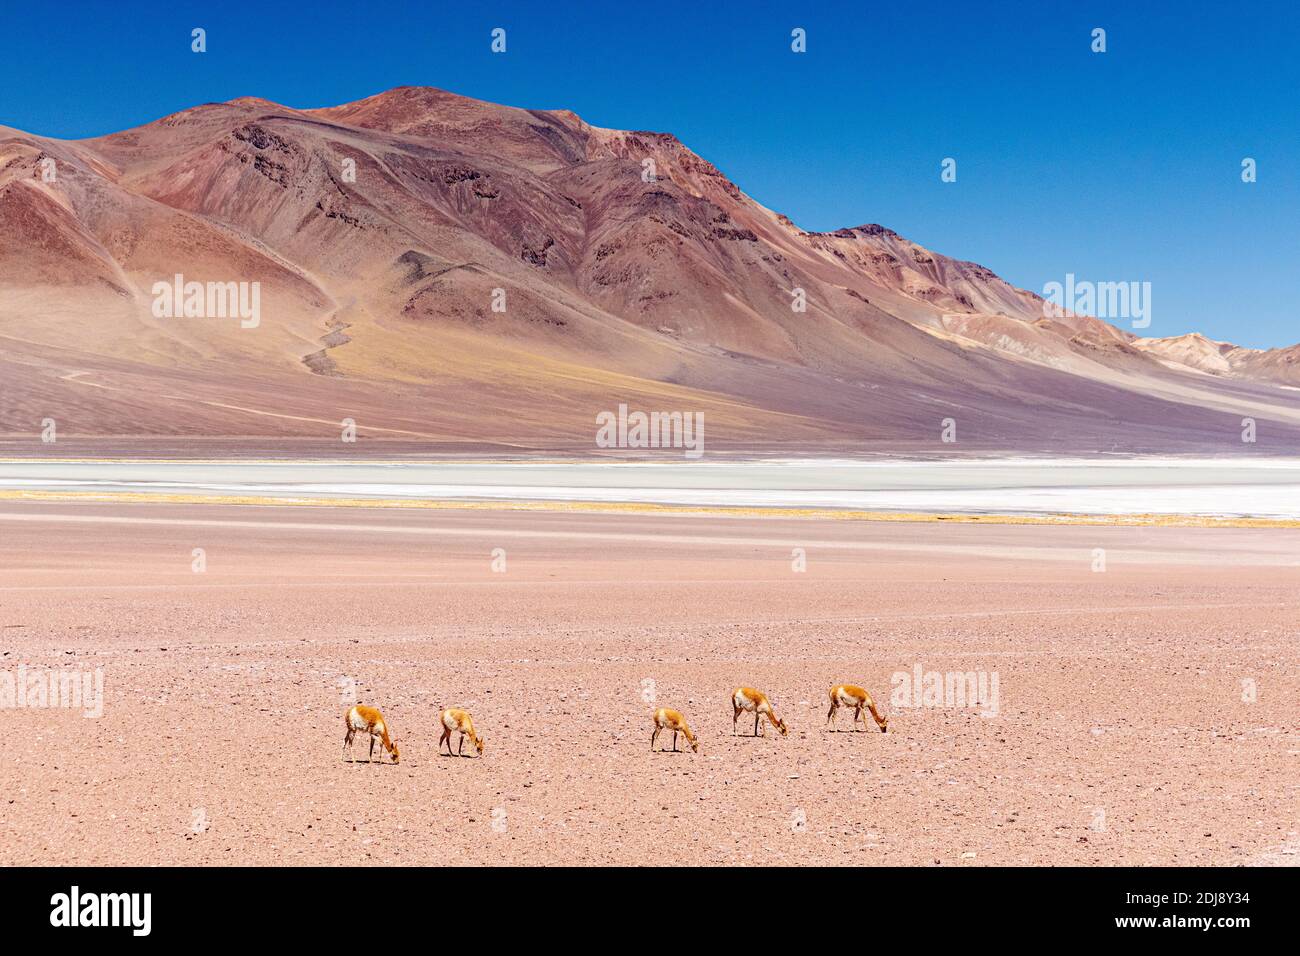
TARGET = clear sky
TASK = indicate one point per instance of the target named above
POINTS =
(1115, 166)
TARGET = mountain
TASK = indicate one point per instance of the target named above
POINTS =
(452, 271)
(1195, 351)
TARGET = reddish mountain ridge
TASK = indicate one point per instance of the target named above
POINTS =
(444, 269)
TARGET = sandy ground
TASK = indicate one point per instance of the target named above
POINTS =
(1124, 731)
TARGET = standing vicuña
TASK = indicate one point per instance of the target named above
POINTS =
(851, 695)
(666, 719)
(453, 719)
(746, 698)
(372, 722)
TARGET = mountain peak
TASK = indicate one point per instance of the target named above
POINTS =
(255, 102)
(384, 232)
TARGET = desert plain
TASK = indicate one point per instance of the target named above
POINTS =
(1146, 711)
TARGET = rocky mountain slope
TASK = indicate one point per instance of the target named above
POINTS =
(443, 269)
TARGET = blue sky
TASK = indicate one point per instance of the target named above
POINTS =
(1116, 166)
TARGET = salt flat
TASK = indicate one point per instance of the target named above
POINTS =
(1217, 487)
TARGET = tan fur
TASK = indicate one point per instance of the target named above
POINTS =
(667, 719)
(748, 699)
(851, 695)
(455, 720)
(370, 720)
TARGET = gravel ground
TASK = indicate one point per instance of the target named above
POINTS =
(1146, 714)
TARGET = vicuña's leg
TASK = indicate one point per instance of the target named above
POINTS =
(674, 741)
(371, 758)
(654, 736)
(735, 716)
(755, 722)
(857, 715)
(830, 714)
(460, 748)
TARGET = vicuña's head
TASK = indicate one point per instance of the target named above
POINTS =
(478, 744)
(884, 725)
(780, 725)
(695, 746)
(397, 754)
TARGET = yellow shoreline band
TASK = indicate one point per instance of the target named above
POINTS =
(598, 507)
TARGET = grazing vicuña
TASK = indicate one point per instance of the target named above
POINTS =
(455, 720)
(851, 695)
(668, 719)
(748, 699)
(371, 721)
